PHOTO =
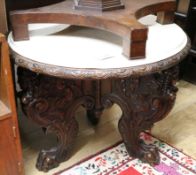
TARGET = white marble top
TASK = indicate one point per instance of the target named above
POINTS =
(79, 49)
(41, 29)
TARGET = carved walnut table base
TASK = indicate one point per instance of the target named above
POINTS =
(51, 103)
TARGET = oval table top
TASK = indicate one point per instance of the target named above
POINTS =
(84, 53)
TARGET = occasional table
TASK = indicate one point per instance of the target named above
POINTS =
(81, 66)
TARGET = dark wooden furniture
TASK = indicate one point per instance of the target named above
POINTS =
(53, 86)
(181, 12)
(10, 147)
(186, 17)
(122, 22)
(190, 71)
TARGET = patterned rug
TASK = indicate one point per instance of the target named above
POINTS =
(116, 161)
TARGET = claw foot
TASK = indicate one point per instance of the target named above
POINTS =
(146, 153)
(47, 160)
(149, 154)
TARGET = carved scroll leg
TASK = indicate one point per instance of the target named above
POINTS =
(66, 133)
(135, 146)
(130, 126)
(51, 103)
(143, 100)
(135, 97)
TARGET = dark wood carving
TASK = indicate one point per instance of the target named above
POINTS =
(122, 22)
(144, 101)
(51, 103)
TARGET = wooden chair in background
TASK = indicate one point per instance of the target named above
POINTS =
(186, 18)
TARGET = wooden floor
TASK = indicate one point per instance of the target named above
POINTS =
(178, 129)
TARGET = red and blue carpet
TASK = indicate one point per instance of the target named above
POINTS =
(116, 161)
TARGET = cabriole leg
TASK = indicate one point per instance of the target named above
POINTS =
(144, 101)
(51, 103)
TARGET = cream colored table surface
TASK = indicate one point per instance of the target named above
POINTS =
(93, 49)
